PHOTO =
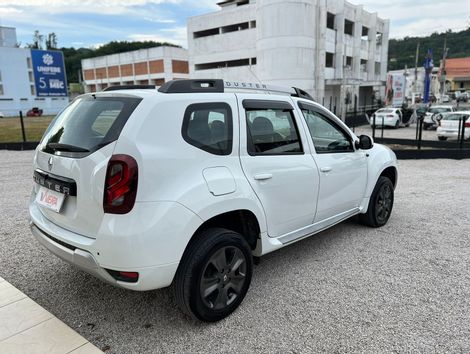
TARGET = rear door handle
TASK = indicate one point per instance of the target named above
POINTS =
(326, 169)
(263, 176)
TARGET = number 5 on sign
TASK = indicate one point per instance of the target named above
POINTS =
(42, 83)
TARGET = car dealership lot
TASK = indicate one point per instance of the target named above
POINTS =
(403, 287)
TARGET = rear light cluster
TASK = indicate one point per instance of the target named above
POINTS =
(467, 124)
(390, 116)
(120, 187)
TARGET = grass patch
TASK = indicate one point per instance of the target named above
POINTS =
(10, 128)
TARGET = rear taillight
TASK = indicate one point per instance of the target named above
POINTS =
(467, 124)
(390, 116)
(120, 187)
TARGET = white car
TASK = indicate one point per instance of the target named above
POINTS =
(2, 115)
(448, 125)
(185, 185)
(387, 117)
(430, 117)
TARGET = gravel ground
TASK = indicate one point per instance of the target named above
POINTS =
(402, 288)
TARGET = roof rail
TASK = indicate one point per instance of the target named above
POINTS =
(129, 87)
(217, 85)
(188, 86)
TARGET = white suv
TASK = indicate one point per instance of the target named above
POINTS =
(184, 186)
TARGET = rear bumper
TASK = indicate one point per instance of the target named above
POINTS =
(149, 278)
(452, 134)
(151, 242)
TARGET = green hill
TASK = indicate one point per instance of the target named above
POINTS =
(403, 51)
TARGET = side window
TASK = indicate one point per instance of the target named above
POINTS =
(326, 135)
(272, 132)
(208, 126)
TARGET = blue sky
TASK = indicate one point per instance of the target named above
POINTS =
(85, 23)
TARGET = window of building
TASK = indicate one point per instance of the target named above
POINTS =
(253, 61)
(1, 90)
(241, 3)
(0, 76)
(330, 20)
(329, 60)
(208, 126)
(379, 38)
(236, 27)
(378, 68)
(206, 33)
(327, 136)
(252, 24)
(222, 64)
(348, 62)
(28, 63)
(272, 132)
(365, 33)
(363, 65)
(33, 90)
(349, 27)
(30, 75)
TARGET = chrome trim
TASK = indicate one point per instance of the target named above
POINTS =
(316, 227)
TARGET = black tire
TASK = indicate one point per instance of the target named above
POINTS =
(224, 260)
(442, 138)
(397, 124)
(380, 204)
(426, 126)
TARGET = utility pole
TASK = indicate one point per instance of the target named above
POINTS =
(415, 83)
(443, 69)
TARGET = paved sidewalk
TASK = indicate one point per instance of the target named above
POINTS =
(25, 327)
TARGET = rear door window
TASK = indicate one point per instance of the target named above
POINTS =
(88, 123)
(208, 126)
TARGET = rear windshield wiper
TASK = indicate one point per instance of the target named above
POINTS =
(66, 147)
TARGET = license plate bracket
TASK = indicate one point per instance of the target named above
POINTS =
(50, 199)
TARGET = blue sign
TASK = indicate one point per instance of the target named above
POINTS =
(49, 73)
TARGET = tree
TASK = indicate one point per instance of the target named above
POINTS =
(38, 39)
(51, 41)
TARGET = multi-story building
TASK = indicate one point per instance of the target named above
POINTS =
(24, 83)
(152, 66)
(333, 49)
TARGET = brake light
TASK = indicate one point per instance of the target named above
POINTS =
(120, 187)
(467, 124)
(390, 116)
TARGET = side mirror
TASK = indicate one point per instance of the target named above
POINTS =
(364, 143)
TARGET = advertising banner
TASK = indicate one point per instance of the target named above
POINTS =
(395, 90)
(49, 73)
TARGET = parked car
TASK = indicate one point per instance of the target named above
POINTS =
(34, 112)
(464, 97)
(448, 125)
(445, 99)
(393, 117)
(430, 120)
(185, 185)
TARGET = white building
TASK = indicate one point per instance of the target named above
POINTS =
(152, 66)
(333, 49)
(414, 82)
(17, 85)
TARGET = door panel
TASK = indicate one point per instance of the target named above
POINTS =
(276, 160)
(343, 170)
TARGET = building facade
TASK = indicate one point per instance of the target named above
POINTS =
(152, 66)
(414, 82)
(457, 74)
(18, 86)
(333, 49)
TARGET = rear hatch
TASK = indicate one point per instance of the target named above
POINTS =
(451, 122)
(71, 160)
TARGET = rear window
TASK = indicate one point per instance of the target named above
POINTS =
(88, 123)
(440, 109)
(455, 116)
(385, 111)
